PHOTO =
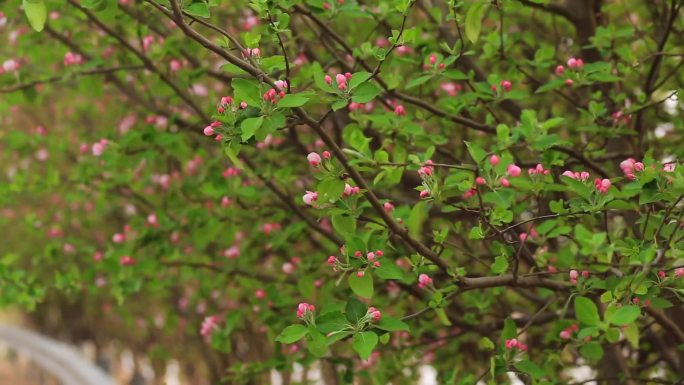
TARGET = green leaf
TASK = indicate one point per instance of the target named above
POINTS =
(476, 152)
(509, 330)
(339, 104)
(586, 311)
(530, 368)
(331, 322)
(391, 324)
(362, 286)
(330, 189)
(418, 81)
(36, 13)
(199, 9)
(344, 224)
(354, 310)
(389, 270)
(272, 63)
(624, 315)
(249, 126)
(317, 343)
(592, 351)
(292, 100)
(365, 92)
(632, 335)
(500, 264)
(292, 333)
(358, 78)
(364, 343)
(246, 90)
(473, 20)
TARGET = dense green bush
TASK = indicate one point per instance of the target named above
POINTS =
(487, 187)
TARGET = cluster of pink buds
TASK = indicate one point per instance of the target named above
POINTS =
(210, 130)
(620, 118)
(424, 280)
(513, 343)
(126, 260)
(232, 252)
(582, 176)
(602, 185)
(637, 301)
(432, 59)
(10, 65)
(566, 334)
(630, 166)
(374, 314)
(273, 96)
(225, 102)
(340, 79)
(450, 88)
(268, 228)
(230, 172)
(147, 42)
(367, 107)
(98, 148)
(426, 169)
(470, 193)
(574, 275)
(575, 63)
(532, 233)
(350, 191)
(209, 325)
(251, 52)
(71, 58)
(305, 310)
(538, 170)
(334, 262)
(316, 160)
(310, 197)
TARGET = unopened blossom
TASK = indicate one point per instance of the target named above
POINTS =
(494, 160)
(538, 170)
(314, 159)
(679, 272)
(513, 170)
(304, 309)
(480, 181)
(374, 314)
(602, 185)
(310, 197)
(232, 252)
(424, 193)
(209, 325)
(388, 207)
(559, 70)
(424, 280)
(349, 190)
(506, 85)
(126, 260)
(575, 63)
(400, 110)
(118, 238)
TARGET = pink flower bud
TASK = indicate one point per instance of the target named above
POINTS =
(573, 274)
(327, 155)
(559, 70)
(360, 273)
(310, 197)
(565, 335)
(480, 180)
(506, 85)
(585, 274)
(424, 193)
(494, 160)
(340, 79)
(505, 182)
(569, 82)
(118, 238)
(433, 59)
(243, 105)
(328, 80)
(679, 272)
(314, 159)
(513, 170)
(126, 260)
(388, 207)
(424, 280)
(400, 110)
(209, 131)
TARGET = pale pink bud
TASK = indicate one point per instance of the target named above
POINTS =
(388, 207)
(494, 160)
(400, 110)
(480, 180)
(573, 274)
(360, 273)
(505, 182)
(565, 335)
(559, 70)
(328, 80)
(424, 193)
(424, 280)
(314, 159)
(209, 131)
(513, 170)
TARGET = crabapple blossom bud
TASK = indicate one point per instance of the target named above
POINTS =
(288, 268)
(314, 159)
(357, 254)
(126, 260)
(243, 105)
(400, 110)
(679, 272)
(310, 197)
(226, 100)
(602, 185)
(209, 325)
(662, 274)
(565, 335)
(379, 253)
(374, 314)
(506, 85)
(388, 207)
(425, 193)
(573, 274)
(511, 343)
(523, 237)
(209, 131)
(327, 155)
(585, 274)
(569, 82)
(494, 160)
(513, 170)
(433, 59)
(304, 309)
(152, 220)
(505, 182)
(260, 293)
(118, 238)
(559, 70)
(360, 273)
(328, 80)
(332, 260)
(424, 280)
(340, 79)
(480, 180)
